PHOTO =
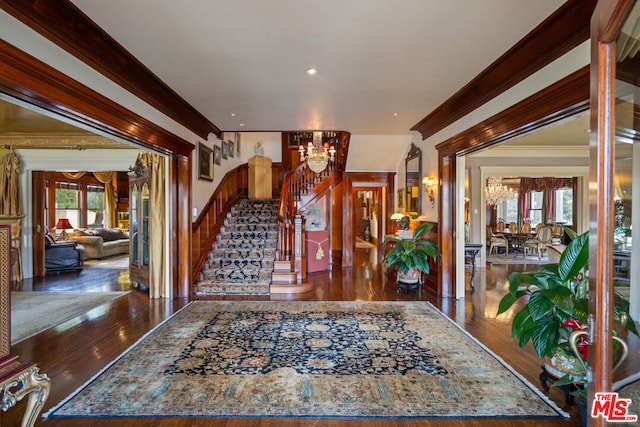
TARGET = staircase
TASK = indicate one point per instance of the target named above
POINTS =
(241, 260)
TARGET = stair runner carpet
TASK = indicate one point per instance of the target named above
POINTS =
(241, 261)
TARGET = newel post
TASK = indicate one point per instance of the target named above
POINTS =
(299, 256)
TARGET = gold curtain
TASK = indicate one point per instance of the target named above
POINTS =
(73, 175)
(110, 181)
(157, 280)
(10, 184)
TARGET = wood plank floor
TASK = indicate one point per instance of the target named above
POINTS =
(70, 356)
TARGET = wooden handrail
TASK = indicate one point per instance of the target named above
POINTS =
(233, 186)
(304, 183)
(205, 228)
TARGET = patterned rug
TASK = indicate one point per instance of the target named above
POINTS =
(307, 359)
(629, 388)
(241, 261)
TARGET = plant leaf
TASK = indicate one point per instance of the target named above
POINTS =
(574, 258)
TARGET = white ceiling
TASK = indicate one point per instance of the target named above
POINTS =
(375, 57)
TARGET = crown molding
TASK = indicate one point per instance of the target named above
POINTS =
(61, 142)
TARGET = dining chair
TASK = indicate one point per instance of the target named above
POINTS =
(500, 226)
(558, 233)
(526, 228)
(496, 241)
(513, 227)
(540, 242)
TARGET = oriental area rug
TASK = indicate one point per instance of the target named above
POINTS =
(307, 359)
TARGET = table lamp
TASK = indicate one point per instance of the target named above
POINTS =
(63, 224)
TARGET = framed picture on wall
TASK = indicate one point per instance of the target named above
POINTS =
(205, 162)
(217, 154)
(238, 144)
(400, 198)
(231, 148)
(224, 149)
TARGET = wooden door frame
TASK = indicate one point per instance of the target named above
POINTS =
(606, 25)
(559, 101)
(33, 82)
(354, 179)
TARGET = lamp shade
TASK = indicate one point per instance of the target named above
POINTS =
(63, 224)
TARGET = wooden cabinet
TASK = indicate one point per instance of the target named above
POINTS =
(139, 191)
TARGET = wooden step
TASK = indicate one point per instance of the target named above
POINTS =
(282, 266)
(290, 289)
(283, 277)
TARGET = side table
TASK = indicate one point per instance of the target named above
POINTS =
(470, 252)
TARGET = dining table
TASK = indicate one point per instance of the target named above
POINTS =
(517, 239)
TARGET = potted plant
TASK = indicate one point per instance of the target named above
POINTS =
(557, 308)
(410, 257)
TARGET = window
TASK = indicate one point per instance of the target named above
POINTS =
(508, 210)
(67, 203)
(95, 206)
(81, 201)
(563, 206)
(535, 211)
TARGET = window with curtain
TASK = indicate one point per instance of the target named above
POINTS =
(548, 200)
(535, 207)
(82, 203)
(68, 202)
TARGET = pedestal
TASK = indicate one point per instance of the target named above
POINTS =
(260, 178)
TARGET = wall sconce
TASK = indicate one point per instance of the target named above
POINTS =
(429, 186)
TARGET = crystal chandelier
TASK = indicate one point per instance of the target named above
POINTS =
(496, 192)
(316, 155)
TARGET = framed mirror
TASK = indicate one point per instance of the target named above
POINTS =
(413, 179)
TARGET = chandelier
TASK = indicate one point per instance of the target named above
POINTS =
(496, 192)
(317, 155)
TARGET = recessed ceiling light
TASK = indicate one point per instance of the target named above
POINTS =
(241, 124)
(395, 114)
(311, 71)
(232, 114)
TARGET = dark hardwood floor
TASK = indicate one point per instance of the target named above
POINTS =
(72, 356)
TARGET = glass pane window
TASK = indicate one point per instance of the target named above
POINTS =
(95, 206)
(68, 203)
(535, 211)
(511, 210)
(563, 206)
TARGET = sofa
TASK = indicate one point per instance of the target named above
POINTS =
(62, 255)
(102, 242)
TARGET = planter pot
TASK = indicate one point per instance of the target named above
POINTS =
(410, 277)
(408, 281)
(565, 363)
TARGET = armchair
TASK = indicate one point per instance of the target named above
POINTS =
(62, 256)
(496, 241)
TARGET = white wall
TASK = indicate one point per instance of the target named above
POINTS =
(202, 189)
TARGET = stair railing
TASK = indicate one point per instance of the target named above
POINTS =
(297, 184)
(205, 228)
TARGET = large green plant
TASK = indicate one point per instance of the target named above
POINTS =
(410, 254)
(557, 294)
